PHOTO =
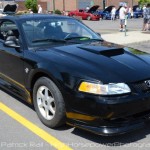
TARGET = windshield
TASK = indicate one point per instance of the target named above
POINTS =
(42, 32)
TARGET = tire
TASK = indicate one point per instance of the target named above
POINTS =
(104, 18)
(48, 103)
(89, 18)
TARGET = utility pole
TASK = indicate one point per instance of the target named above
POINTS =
(132, 3)
(104, 4)
(64, 5)
(53, 6)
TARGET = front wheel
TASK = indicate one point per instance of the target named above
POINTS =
(89, 18)
(48, 102)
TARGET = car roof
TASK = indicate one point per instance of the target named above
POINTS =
(33, 16)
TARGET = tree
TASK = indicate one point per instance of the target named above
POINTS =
(31, 4)
(143, 2)
(57, 12)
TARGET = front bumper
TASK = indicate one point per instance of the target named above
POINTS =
(95, 18)
(109, 115)
(109, 131)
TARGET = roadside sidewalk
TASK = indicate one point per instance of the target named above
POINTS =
(131, 37)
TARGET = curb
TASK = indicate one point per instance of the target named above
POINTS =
(129, 38)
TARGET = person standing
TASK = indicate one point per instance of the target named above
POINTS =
(39, 9)
(30, 11)
(132, 13)
(87, 8)
(122, 16)
(113, 13)
(145, 18)
(148, 17)
(129, 12)
(144, 7)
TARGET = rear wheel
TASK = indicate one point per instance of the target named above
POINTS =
(48, 102)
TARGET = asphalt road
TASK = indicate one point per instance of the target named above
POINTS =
(107, 26)
(20, 127)
(143, 46)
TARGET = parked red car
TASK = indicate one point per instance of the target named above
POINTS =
(91, 14)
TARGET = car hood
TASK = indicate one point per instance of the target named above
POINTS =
(109, 8)
(93, 9)
(10, 9)
(118, 9)
(105, 61)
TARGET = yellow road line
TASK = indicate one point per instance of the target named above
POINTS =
(35, 129)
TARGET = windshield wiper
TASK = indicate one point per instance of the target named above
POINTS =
(78, 37)
(83, 38)
(97, 39)
(49, 40)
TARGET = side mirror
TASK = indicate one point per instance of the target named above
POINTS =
(99, 34)
(11, 42)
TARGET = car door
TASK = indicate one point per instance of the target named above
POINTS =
(81, 13)
(11, 61)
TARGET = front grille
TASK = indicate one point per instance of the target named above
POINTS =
(135, 117)
(141, 86)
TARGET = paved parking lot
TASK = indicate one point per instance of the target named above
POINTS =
(16, 135)
(20, 127)
(107, 26)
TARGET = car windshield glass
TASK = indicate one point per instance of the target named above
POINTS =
(43, 32)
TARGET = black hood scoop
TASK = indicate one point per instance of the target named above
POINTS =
(106, 49)
(112, 52)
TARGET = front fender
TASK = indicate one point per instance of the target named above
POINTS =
(43, 69)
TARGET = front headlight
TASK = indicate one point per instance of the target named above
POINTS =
(104, 89)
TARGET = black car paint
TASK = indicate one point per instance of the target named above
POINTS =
(69, 64)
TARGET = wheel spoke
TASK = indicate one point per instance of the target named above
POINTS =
(50, 100)
(41, 105)
(40, 94)
(46, 112)
(46, 93)
(52, 110)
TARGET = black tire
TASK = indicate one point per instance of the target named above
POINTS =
(104, 18)
(52, 101)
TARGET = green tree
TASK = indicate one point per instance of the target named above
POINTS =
(31, 4)
(57, 12)
(143, 2)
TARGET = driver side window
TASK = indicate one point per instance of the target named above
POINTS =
(8, 29)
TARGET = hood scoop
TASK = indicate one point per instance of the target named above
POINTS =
(112, 52)
(104, 50)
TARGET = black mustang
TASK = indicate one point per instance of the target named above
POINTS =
(71, 75)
